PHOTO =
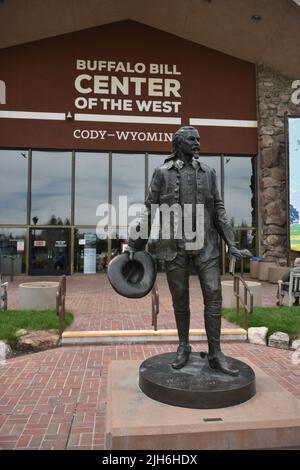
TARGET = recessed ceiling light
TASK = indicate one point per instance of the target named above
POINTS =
(255, 18)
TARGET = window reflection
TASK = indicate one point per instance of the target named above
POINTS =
(128, 179)
(239, 190)
(51, 188)
(153, 162)
(91, 186)
(82, 240)
(244, 239)
(13, 186)
(215, 163)
(119, 241)
(12, 250)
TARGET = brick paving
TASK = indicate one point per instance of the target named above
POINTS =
(56, 399)
(96, 306)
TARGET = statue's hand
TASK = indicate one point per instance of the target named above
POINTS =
(234, 252)
(129, 251)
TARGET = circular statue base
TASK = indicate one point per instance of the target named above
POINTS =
(196, 385)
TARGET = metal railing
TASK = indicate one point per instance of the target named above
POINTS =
(243, 299)
(61, 303)
(247, 295)
(3, 294)
(155, 305)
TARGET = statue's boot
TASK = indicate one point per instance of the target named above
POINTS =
(216, 358)
(184, 349)
(182, 356)
(178, 281)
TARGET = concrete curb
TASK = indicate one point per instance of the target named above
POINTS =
(143, 336)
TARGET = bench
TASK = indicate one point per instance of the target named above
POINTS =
(292, 288)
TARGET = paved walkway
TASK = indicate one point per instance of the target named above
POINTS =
(56, 399)
(96, 306)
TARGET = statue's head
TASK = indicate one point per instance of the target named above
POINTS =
(186, 140)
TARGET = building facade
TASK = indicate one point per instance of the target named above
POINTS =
(86, 117)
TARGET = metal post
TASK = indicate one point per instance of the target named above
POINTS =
(12, 259)
(245, 309)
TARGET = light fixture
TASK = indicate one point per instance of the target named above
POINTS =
(256, 18)
(69, 116)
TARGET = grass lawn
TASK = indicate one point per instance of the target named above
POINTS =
(286, 319)
(13, 320)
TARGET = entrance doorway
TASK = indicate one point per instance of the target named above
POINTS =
(50, 251)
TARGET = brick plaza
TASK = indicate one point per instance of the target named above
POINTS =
(56, 399)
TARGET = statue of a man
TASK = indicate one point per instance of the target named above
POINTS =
(186, 182)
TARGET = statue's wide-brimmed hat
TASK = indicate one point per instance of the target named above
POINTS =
(132, 278)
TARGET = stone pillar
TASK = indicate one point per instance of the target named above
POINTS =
(274, 99)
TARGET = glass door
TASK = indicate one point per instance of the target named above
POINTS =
(50, 251)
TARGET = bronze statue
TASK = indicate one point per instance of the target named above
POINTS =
(181, 180)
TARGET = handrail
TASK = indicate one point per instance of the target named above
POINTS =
(244, 301)
(61, 303)
(155, 305)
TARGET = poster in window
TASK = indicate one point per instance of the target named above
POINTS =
(89, 266)
(294, 181)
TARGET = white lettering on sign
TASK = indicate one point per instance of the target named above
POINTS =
(295, 98)
(104, 85)
(123, 92)
(95, 134)
(2, 92)
(100, 65)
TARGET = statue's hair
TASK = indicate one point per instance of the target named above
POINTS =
(297, 262)
(179, 134)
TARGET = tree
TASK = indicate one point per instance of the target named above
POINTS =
(294, 215)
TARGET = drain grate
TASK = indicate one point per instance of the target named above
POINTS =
(212, 419)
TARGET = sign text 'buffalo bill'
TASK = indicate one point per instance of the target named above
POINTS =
(115, 88)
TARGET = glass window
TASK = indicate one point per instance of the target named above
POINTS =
(239, 190)
(245, 239)
(119, 241)
(13, 186)
(12, 250)
(83, 242)
(91, 186)
(49, 251)
(51, 188)
(213, 162)
(128, 179)
(153, 162)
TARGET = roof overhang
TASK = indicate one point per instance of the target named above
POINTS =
(260, 32)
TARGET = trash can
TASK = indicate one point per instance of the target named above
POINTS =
(263, 268)
(254, 263)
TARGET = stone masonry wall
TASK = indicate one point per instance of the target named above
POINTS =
(274, 99)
